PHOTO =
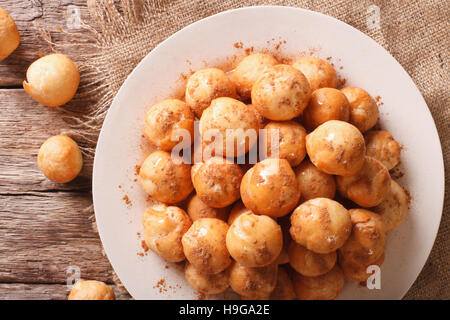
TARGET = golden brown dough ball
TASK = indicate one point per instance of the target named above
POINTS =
(369, 186)
(320, 74)
(270, 188)
(310, 263)
(166, 121)
(60, 159)
(281, 93)
(382, 146)
(197, 209)
(163, 228)
(321, 225)
(254, 240)
(9, 35)
(91, 290)
(326, 104)
(336, 147)
(324, 287)
(207, 283)
(284, 290)
(165, 180)
(356, 271)
(394, 208)
(363, 109)
(217, 182)
(253, 283)
(204, 245)
(236, 211)
(314, 183)
(206, 85)
(52, 80)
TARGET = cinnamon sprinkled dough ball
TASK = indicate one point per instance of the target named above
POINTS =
(369, 186)
(60, 159)
(394, 208)
(324, 287)
(204, 245)
(206, 283)
(356, 271)
(281, 93)
(167, 121)
(314, 183)
(52, 80)
(381, 145)
(321, 225)
(91, 290)
(254, 240)
(9, 35)
(253, 283)
(320, 74)
(336, 147)
(363, 109)
(284, 289)
(206, 85)
(270, 188)
(236, 211)
(309, 263)
(163, 228)
(197, 209)
(165, 180)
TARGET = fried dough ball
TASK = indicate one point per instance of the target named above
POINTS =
(254, 240)
(326, 104)
(321, 225)
(309, 263)
(204, 245)
(253, 283)
(165, 180)
(336, 147)
(52, 80)
(368, 238)
(320, 74)
(314, 183)
(281, 93)
(290, 142)
(236, 211)
(197, 209)
(363, 109)
(381, 145)
(91, 290)
(165, 121)
(206, 85)
(206, 283)
(163, 228)
(60, 159)
(9, 35)
(369, 186)
(270, 188)
(323, 287)
(217, 182)
(284, 290)
(394, 208)
(356, 271)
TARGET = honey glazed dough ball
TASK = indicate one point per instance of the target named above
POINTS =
(270, 188)
(167, 121)
(197, 209)
(9, 35)
(309, 263)
(206, 85)
(163, 228)
(60, 159)
(369, 186)
(320, 74)
(52, 80)
(358, 272)
(204, 245)
(321, 225)
(314, 183)
(253, 283)
(323, 287)
(284, 290)
(254, 240)
(382, 146)
(207, 283)
(363, 109)
(336, 147)
(237, 210)
(91, 290)
(165, 180)
(281, 93)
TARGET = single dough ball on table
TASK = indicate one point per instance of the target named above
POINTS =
(336, 147)
(321, 225)
(355, 271)
(52, 80)
(253, 283)
(206, 85)
(60, 159)
(284, 289)
(310, 263)
(167, 121)
(207, 283)
(281, 93)
(314, 183)
(91, 290)
(254, 240)
(394, 208)
(270, 188)
(363, 109)
(204, 245)
(9, 35)
(250, 69)
(165, 180)
(381, 145)
(320, 74)
(237, 210)
(369, 186)
(323, 287)
(197, 209)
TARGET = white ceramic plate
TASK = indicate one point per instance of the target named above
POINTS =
(211, 40)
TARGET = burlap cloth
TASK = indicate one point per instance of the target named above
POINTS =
(416, 32)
